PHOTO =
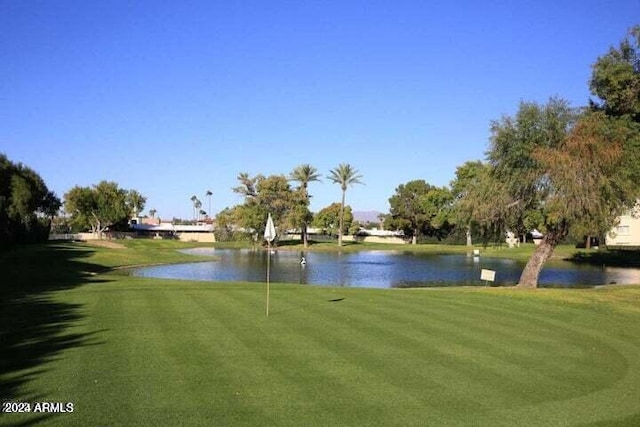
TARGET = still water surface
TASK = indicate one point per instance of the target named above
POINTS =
(377, 269)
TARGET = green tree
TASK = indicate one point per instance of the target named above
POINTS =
(50, 205)
(250, 215)
(354, 228)
(489, 220)
(437, 205)
(418, 208)
(551, 164)
(26, 204)
(247, 187)
(264, 195)
(615, 78)
(521, 175)
(227, 221)
(593, 183)
(328, 219)
(136, 202)
(468, 177)
(304, 174)
(79, 203)
(275, 195)
(98, 207)
(344, 175)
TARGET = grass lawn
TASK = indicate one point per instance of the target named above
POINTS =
(522, 253)
(135, 351)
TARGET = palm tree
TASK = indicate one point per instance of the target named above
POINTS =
(344, 175)
(209, 194)
(194, 199)
(198, 208)
(304, 174)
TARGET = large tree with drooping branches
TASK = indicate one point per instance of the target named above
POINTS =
(554, 167)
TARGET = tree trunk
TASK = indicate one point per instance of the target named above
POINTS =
(531, 272)
(97, 227)
(588, 243)
(469, 242)
(414, 238)
(341, 219)
(305, 235)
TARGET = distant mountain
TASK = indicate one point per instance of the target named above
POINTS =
(366, 216)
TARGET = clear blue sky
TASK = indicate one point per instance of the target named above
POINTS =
(174, 98)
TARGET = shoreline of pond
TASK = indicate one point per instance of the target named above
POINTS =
(380, 268)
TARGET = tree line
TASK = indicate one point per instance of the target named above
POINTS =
(289, 206)
(560, 169)
(26, 204)
(101, 207)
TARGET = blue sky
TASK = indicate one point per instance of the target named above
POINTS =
(174, 98)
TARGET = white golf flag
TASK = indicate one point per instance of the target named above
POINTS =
(270, 230)
(269, 235)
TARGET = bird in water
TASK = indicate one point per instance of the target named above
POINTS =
(303, 262)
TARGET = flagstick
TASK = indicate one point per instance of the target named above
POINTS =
(269, 235)
(268, 266)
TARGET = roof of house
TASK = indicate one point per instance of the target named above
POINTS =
(167, 226)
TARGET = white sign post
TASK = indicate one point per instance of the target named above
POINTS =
(487, 275)
(269, 235)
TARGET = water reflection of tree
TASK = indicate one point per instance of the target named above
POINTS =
(342, 270)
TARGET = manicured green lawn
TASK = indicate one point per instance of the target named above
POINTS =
(133, 351)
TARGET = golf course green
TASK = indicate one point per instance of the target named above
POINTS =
(107, 349)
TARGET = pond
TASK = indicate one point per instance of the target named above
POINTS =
(378, 269)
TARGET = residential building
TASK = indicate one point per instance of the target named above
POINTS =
(627, 232)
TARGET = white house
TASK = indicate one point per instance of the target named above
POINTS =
(627, 232)
(190, 233)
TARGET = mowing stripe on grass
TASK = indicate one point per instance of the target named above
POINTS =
(172, 352)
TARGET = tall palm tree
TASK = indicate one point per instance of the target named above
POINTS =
(194, 199)
(198, 208)
(344, 175)
(304, 174)
(209, 194)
